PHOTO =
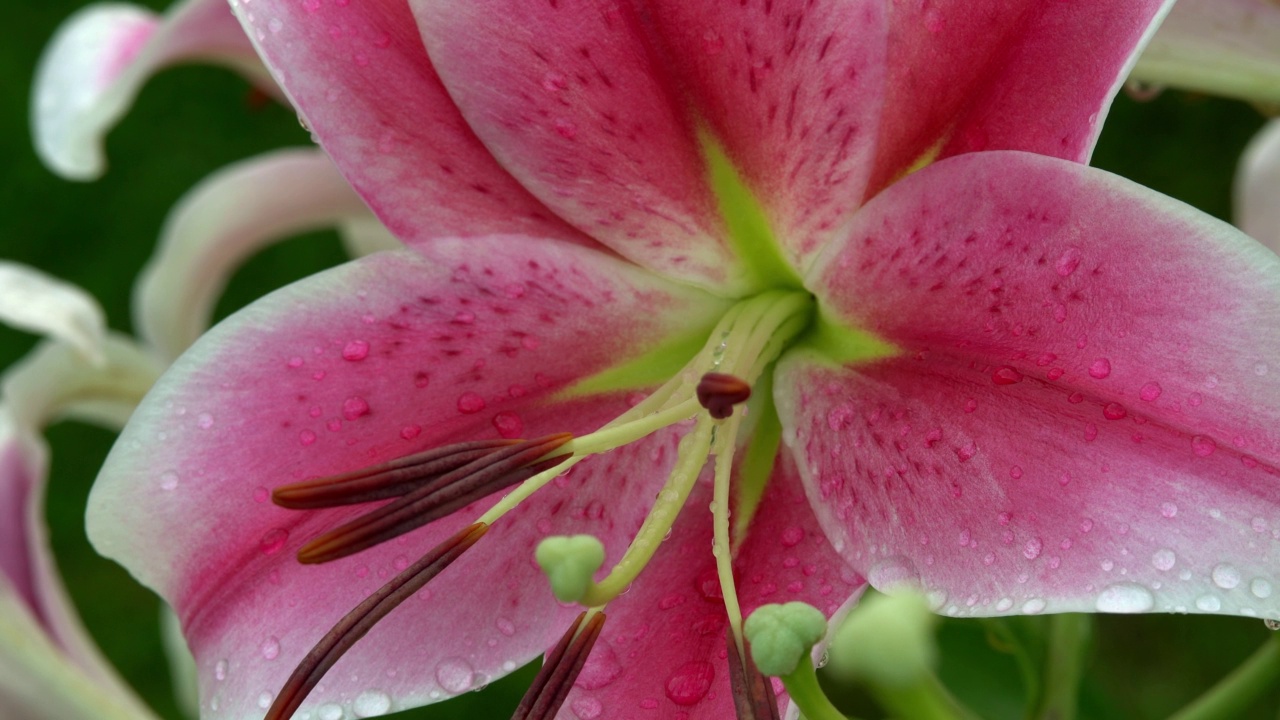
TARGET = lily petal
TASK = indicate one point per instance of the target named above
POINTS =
(473, 338)
(674, 617)
(1223, 47)
(968, 76)
(227, 217)
(360, 77)
(32, 300)
(100, 58)
(1084, 415)
(1257, 187)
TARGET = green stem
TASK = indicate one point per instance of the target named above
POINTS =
(802, 686)
(925, 699)
(1064, 666)
(1237, 691)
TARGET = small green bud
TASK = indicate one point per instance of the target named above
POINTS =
(569, 564)
(887, 640)
(782, 635)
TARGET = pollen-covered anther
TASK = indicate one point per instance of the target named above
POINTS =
(719, 392)
(560, 669)
(499, 467)
(360, 620)
(753, 696)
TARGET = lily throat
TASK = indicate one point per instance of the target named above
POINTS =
(732, 368)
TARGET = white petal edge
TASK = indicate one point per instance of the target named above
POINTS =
(1257, 186)
(100, 58)
(222, 221)
(34, 301)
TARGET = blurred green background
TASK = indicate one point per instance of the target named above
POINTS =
(191, 121)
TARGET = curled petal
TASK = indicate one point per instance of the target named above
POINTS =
(98, 61)
(1257, 187)
(227, 217)
(32, 300)
(1084, 414)
(466, 339)
(1224, 47)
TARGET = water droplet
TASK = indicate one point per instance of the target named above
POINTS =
(1209, 603)
(1034, 606)
(270, 647)
(455, 675)
(355, 350)
(1100, 368)
(1150, 391)
(792, 536)
(602, 667)
(354, 407)
(586, 708)
(371, 703)
(409, 432)
(1164, 559)
(264, 699)
(1225, 576)
(168, 480)
(469, 402)
(508, 424)
(1125, 598)
(967, 451)
(275, 25)
(1168, 509)
(329, 711)
(1260, 587)
(204, 421)
(1069, 261)
(689, 683)
(306, 437)
(1015, 472)
(964, 538)
(1114, 411)
(506, 627)
(1031, 550)
(273, 540)
(1203, 446)
(1271, 624)
(220, 670)
(1086, 525)
(1006, 376)
(1075, 398)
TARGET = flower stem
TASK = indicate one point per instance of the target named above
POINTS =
(1237, 691)
(802, 686)
(924, 699)
(1064, 665)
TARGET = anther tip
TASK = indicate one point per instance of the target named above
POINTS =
(719, 392)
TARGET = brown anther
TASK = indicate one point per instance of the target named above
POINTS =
(359, 621)
(499, 468)
(718, 393)
(560, 669)
(753, 696)
(380, 482)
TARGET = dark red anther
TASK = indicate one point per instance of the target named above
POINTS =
(359, 621)
(718, 393)
(560, 669)
(440, 495)
(753, 696)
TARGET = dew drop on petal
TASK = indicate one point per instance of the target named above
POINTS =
(1225, 576)
(1203, 446)
(1031, 550)
(1125, 598)
(689, 683)
(1168, 509)
(409, 432)
(1034, 606)
(455, 675)
(506, 627)
(330, 711)
(1100, 369)
(355, 350)
(1069, 261)
(586, 708)
(204, 421)
(1150, 391)
(371, 703)
(1006, 376)
(168, 480)
(602, 667)
(1260, 587)
(1164, 559)
(306, 437)
(469, 402)
(1209, 603)
(273, 540)
(508, 424)
(792, 536)
(354, 407)
(220, 670)
(264, 699)
(1114, 411)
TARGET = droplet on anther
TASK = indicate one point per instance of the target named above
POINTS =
(753, 696)
(718, 393)
(560, 669)
(361, 620)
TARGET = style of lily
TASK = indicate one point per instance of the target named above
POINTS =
(975, 365)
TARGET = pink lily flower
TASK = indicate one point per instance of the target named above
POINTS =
(1015, 382)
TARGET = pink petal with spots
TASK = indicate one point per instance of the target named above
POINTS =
(1083, 416)
(794, 90)
(1257, 186)
(379, 358)
(358, 74)
(662, 652)
(1011, 75)
(574, 101)
(100, 58)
